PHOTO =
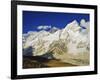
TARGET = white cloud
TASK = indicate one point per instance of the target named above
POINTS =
(44, 27)
(83, 23)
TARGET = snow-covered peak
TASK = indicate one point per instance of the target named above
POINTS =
(74, 26)
(74, 23)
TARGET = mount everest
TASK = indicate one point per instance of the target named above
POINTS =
(70, 44)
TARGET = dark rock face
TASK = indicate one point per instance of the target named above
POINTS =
(33, 62)
(28, 51)
(48, 55)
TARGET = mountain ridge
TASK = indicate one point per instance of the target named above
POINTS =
(64, 43)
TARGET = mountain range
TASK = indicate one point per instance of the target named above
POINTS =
(70, 44)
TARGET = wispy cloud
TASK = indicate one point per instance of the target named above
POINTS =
(43, 27)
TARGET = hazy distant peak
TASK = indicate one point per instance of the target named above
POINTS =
(53, 29)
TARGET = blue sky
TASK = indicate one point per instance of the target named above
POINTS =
(33, 19)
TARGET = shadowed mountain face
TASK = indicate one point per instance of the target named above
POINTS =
(28, 51)
(48, 55)
(68, 45)
(34, 62)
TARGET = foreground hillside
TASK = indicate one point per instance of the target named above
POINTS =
(39, 62)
